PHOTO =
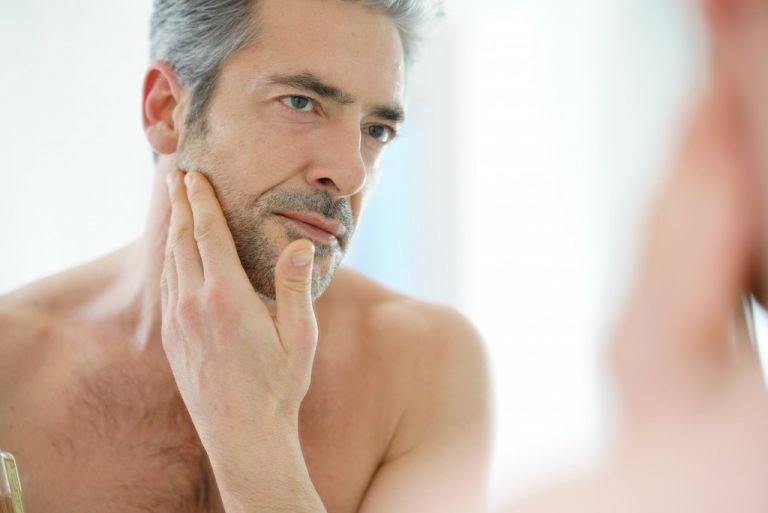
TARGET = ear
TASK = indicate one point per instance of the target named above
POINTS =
(162, 108)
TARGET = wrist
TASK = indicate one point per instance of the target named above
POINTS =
(241, 433)
(268, 463)
(254, 445)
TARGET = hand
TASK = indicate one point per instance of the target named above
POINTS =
(241, 372)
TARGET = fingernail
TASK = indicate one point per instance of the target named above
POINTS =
(303, 257)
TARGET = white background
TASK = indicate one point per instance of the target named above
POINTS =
(538, 130)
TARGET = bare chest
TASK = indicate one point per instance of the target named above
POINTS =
(125, 445)
(109, 443)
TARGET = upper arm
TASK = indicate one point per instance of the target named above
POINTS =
(439, 456)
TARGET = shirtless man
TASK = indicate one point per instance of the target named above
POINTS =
(189, 371)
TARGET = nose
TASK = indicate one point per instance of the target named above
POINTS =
(339, 167)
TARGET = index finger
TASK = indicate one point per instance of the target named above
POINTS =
(211, 231)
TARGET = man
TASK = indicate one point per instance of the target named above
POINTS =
(190, 371)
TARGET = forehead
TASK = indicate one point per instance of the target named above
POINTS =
(353, 46)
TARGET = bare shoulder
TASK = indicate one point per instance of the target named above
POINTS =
(408, 324)
(23, 331)
(437, 358)
(26, 329)
(30, 311)
(27, 312)
(35, 328)
(20, 319)
(436, 373)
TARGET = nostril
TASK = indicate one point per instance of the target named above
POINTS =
(327, 182)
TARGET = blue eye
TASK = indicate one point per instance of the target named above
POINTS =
(300, 103)
(380, 133)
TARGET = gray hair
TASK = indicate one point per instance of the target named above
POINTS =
(196, 36)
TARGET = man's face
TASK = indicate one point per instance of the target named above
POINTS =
(296, 128)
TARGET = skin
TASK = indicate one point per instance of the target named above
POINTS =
(738, 30)
(692, 391)
(157, 378)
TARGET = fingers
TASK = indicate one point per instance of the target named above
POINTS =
(296, 324)
(169, 285)
(199, 237)
(215, 244)
(673, 342)
(181, 241)
(201, 248)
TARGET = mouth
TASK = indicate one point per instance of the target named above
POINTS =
(316, 227)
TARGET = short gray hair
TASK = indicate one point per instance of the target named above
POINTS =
(196, 36)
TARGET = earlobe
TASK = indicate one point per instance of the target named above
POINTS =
(160, 101)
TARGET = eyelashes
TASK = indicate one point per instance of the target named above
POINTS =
(305, 106)
(299, 103)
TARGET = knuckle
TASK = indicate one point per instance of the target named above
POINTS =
(296, 285)
(169, 331)
(309, 329)
(205, 227)
(187, 309)
(219, 305)
(180, 233)
(216, 300)
(168, 259)
(195, 192)
(164, 295)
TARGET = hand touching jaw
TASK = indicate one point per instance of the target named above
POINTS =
(241, 372)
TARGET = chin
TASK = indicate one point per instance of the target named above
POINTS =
(324, 268)
(322, 273)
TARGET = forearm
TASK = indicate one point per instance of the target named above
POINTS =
(266, 474)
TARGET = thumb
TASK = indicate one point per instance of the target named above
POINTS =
(296, 324)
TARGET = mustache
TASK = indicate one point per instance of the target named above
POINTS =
(320, 202)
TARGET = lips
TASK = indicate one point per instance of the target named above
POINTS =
(316, 226)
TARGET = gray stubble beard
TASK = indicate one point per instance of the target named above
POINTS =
(247, 225)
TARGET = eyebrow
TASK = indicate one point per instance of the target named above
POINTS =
(393, 114)
(310, 82)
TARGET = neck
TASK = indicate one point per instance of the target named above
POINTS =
(131, 299)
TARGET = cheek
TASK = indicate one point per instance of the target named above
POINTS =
(358, 202)
(372, 153)
(258, 151)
